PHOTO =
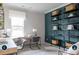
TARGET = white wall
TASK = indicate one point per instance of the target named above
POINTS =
(7, 20)
(33, 20)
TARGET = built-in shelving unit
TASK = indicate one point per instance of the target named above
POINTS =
(62, 25)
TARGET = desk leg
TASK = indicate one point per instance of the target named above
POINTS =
(40, 42)
(30, 44)
(16, 53)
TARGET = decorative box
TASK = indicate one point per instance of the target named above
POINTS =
(55, 13)
(70, 7)
(68, 45)
(56, 42)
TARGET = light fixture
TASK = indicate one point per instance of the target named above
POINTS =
(34, 31)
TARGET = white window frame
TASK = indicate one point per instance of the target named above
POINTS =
(15, 27)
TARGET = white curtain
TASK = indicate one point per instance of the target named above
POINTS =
(17, 23)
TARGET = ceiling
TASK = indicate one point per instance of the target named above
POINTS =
(37, 7)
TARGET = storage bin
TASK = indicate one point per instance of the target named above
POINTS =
(56, 42)
(68, 44)
(55, 13)
(70, 7)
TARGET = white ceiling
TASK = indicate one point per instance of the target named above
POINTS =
(37, 7)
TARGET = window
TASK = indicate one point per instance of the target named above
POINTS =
(17, 23)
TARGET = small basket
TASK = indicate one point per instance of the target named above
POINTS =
(55, 42)
(55, 13)
(68, 45)
(70, 7)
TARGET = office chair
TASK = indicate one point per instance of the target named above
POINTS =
(35, 41)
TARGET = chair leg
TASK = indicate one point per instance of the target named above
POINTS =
(40, 42)
(38, 45)
(16, 53)
(23, 46)
(30, 44)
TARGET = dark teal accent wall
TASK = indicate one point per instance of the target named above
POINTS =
(63, 35)
(48, 27)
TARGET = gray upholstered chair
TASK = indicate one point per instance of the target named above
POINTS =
(35, 41)
(19, 42)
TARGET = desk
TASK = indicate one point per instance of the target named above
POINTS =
(11, 47)
(29, 40)
(8, 51)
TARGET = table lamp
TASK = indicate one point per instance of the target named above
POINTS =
(34, 31)
(29, 35)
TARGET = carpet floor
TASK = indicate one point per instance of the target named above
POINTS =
(45, 50)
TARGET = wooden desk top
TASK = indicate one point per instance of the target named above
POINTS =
(8, 51)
